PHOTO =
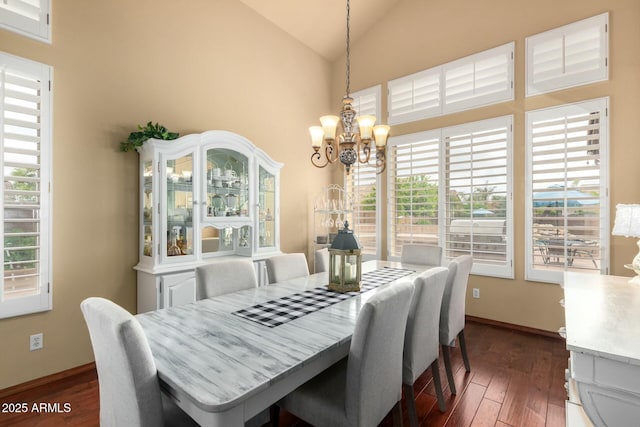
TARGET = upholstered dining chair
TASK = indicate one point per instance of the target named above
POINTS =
(127, 377)
(286, 266)
(224, 276)
(413, 253)
(452, 313)
(421, 339)
(361, 389)
(321, 260)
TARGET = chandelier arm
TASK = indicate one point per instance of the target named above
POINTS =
(331, 154)
(367, 152)
(381, 163)
(315, 158)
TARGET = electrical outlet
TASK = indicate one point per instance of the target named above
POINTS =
(35, 342)
(476, 293)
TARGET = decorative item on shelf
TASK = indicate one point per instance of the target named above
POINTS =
(345, 262)
(354, 144)
(136, 139)
(627, 224)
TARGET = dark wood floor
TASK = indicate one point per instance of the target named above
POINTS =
(516, 379)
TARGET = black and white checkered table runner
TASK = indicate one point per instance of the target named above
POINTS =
(276, 312)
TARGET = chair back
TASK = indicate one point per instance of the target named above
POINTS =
(224, 276)
(127, 375)
(286, 266)
(421, 254)
(321, 260)
(374, 367)
(421, 340)
(453, 300)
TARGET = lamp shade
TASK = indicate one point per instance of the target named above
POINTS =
(627, 221)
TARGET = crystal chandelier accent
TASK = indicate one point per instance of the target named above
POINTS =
(354, 144)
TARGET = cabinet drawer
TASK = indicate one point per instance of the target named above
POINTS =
(605, 372)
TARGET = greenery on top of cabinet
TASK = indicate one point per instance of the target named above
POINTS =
(136, 139)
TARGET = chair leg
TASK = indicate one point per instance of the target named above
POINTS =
(435, 372)
(397, 414)
(463, 350)
(410, 398)
(447, 366)
(274, 415)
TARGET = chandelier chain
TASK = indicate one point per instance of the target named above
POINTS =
(348, 51)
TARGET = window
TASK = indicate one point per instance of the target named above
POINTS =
(481, 79)
(27, 17)
(573, 55)
(362, 183)
(478, 195)
(415, 97)
(453, 187)
(25, 138)
(567, 225)
(413, 190)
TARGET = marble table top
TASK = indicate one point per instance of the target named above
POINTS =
(218, 360)
(603, 316)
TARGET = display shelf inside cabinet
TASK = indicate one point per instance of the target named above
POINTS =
(204, 196)
(331, 207)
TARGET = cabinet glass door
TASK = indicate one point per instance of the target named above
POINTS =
(180, 206)
(227, 186)
(147, 208)
(267, 209)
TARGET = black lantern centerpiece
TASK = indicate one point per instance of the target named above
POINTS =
(345, 261)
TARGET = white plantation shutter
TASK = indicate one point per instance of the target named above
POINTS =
(30, 18)
(480, 79)
(566, 190)
(25, 143)
(478, 189)
(361, 183)
(367, 102)
(413, 190)
(415, 97)
(568, 56)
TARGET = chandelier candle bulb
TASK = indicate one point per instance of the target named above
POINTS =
(317, 134)
(329, 125)
(381, 133)
(365, 123)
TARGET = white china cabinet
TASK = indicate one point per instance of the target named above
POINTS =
(202, 196)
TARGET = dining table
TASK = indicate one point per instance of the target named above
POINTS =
(223, 367)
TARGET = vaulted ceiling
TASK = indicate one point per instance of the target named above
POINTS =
(321, 24)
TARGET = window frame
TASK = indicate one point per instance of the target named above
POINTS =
(564, 80)
(18, 23)
(444, 104)
(598, 104)
(504, 271)
(44, 73)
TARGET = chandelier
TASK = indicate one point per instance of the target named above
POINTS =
(354, 144)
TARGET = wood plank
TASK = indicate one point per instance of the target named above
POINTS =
(556, 416)
(487, 414)
(515, 399)
(465, 411)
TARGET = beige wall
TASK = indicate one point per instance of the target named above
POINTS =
(420, 34)
(192, 66)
